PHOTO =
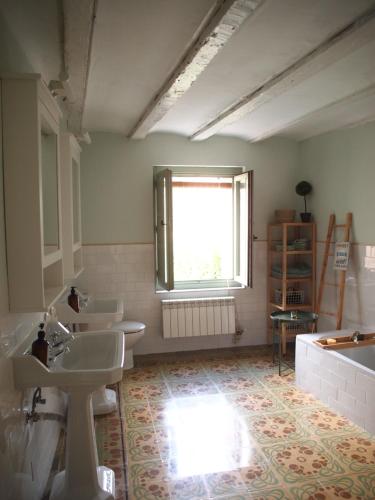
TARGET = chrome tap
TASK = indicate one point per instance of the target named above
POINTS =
(59, 338)
(355, 337)
(57, 334)
(84, 299)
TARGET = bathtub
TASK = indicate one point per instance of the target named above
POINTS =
(343, 379)
(364, 356)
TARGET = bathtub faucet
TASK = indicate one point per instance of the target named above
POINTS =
(355, 337)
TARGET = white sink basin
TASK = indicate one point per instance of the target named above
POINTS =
(101, 306)
(94, 359)
(95, 314)
(96, 311)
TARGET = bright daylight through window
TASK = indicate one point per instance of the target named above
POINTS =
(203, 229)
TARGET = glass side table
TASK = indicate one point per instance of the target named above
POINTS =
(279, 318)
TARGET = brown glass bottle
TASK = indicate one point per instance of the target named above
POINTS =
(39, 347)
(73, 299)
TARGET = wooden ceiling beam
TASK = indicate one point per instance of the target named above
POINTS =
(366, 95)
(352, 37)
(79, 19)
(223, 20)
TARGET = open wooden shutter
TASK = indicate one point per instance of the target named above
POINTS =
(164, 234)
(243, 227)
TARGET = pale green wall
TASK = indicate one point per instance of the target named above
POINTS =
(12, 56)
(117, 178)
(31, 37)
(341, 167)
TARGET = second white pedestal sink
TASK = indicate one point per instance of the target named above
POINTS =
(97, 313)
(94, 359)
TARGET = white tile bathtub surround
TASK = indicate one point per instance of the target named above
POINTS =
(26, 450)
(343, 384)
(128, 271)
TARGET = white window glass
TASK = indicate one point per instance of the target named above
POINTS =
(202, 228)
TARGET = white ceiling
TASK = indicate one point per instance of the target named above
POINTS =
(136, 47)
(136, 44)
(282, 33)
(343, 78)
(276, 69)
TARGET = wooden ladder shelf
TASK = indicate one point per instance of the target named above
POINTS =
(340, 285)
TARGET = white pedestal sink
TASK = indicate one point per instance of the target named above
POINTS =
(97, 314)
(95, 358)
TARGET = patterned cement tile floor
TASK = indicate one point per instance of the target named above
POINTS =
(224, 425)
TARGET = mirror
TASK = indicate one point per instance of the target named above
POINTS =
(76, 203)
(50, 189)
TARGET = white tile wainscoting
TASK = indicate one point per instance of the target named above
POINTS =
(128, 271)
(344, 385)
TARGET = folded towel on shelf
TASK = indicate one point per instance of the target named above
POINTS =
(298, 270)
(301, 244)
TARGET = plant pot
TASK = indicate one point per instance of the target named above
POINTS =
(305, 216)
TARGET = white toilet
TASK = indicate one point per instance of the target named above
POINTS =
(134, 331)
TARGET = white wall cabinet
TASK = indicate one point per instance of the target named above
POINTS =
(31, 157)
(71, 207)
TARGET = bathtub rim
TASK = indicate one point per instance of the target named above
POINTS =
(308, 338)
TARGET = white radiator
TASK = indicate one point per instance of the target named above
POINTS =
(197, 317)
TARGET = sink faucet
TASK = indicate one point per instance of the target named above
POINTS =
(355, 337)
(59, 338)
(61, 347)
(83, 298)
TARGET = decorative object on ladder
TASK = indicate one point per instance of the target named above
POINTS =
(198, 317)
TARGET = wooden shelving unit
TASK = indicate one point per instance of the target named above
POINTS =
(286, 290)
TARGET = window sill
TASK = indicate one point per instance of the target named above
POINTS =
(202, 287)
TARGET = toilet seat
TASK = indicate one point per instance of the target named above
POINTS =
(129, 326)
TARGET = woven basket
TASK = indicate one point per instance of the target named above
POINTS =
(292, 297)
(285, 215)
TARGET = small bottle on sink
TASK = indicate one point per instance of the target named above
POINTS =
(39, 347)
(73, 299)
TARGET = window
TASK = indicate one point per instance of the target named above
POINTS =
(203, 229)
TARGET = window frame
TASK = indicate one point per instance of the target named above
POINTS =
(162, 226)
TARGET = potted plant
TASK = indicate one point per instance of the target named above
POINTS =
(304, 188)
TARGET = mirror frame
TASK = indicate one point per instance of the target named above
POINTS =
(76, 164)
(47, 118)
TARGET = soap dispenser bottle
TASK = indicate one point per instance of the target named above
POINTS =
(39, 347)
(73, 299)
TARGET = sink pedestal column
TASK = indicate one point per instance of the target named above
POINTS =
(82, 479)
